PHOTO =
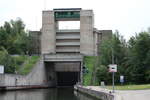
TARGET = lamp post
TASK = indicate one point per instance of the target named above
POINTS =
(113, 73)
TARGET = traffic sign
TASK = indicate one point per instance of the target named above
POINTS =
(112, 68)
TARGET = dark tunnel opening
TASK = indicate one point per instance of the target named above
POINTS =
(67, 78)
(62, 74)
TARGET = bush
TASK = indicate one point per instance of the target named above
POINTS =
(7, 61)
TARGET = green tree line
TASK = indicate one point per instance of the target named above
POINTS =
(132, 58)
(13, 37)
(13, 40)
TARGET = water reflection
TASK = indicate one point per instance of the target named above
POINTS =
(45, 94)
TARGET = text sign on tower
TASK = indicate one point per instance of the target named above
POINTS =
(1, 69)
(112, 68)
(67, 14)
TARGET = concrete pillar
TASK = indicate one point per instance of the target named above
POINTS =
(86, 32)
(81, 73)
(48, 40)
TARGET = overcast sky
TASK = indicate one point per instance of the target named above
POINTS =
(127, 16)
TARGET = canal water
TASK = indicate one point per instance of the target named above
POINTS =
(45, 94)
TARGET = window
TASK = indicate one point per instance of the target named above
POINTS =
(68, 25)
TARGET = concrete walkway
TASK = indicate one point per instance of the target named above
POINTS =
(124, 94)
(133, 95)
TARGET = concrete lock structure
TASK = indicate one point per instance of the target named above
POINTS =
(61, 50)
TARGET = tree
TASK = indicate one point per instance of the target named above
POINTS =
(116, 47)
(13, 40)
(7, 61)
(13, 37)
(139, 57)
(103, 75)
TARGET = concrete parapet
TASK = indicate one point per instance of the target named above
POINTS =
(103, 95)
(63, 57)
(68, 44)
(68, 37)
(68, 31)
(68, 50)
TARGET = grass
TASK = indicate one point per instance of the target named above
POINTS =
(131, 87)
(89, 63)
(28, 65)
(24, 64)
(87, 77)
(19, 60)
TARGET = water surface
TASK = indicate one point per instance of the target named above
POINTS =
(45, 94)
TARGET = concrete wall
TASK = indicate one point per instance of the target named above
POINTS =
(42, 74)
(82, 96)
(59, 41)
(36, 77)
(98, 94)
(67, 67)
(48, 38)
(106, 34)
(99, 36)
(50, 73)
(86, 32)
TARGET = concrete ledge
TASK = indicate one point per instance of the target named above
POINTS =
(63, 57)
(22, 87)
(103, 95)
(69, 31)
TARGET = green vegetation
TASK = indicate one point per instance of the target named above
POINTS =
(132, 58)
(14, 38)
(130, 87)
(28, 65)
(24, 64)
(20, 64)
(7, 61)
(89, 64)
(19, 61)
(15, 43)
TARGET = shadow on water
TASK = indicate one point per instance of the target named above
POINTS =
(45, 94)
